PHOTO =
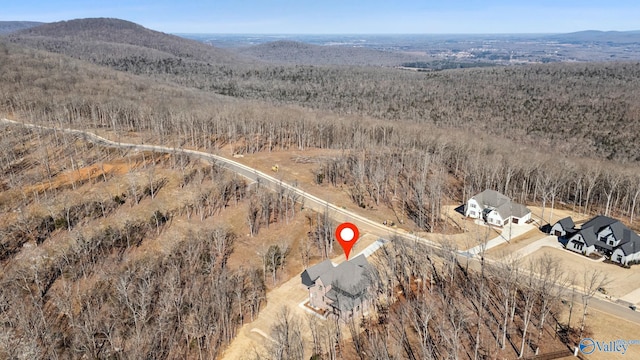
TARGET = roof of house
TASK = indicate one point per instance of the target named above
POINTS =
(342, 300)
(491, 198)
(588, 236)
(346, 276)
(501, 203)
(520, 210)
(599, 222)
(360, 260)
(629, 240)
(350, 281)
(604, 245)
(567, 223)
(310, 275)
(631, 247)
(350, 277)
(630, 243)
(618, 229)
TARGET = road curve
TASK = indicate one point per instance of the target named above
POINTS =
(312, 202)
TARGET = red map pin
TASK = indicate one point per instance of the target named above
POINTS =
(347, 235)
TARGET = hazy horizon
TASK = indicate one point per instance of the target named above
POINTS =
(398, 34)
(340, 17)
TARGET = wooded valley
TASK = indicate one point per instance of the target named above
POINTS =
(113, 254)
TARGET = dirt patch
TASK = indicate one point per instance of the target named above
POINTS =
(604, 327)
(297, 167)
(551, 217)
(79, 176)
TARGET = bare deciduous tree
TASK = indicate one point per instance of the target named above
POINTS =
(286, 333)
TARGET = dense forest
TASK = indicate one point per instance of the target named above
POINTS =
(586, 109)
(555, 135)
(296, 53)
(427, 161)
(93, 264)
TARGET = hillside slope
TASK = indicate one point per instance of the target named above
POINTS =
(589, 108)
(596, 36)
(298, 53)
(104, 39)
(7, 27)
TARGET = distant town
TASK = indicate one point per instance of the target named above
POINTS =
(471, 48)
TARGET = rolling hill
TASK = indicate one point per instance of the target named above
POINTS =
(298, 53)
(597, 36)
(571, 105)
(105, 40)
(127, 260)
(8, 27)
(119, 43)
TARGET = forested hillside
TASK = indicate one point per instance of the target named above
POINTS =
(107, 40)
(589, 109)
(297, 53)
(96, 253)
(96, 260)
(431, 161)
(7, 27)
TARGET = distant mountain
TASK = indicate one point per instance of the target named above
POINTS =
(619, 37)
(8, 27)
(293, 52)
(105, 40)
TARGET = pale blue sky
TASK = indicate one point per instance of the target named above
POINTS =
(346, 16)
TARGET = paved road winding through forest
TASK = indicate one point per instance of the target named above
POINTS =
(310, 201)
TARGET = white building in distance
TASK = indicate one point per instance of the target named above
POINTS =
(496, 209)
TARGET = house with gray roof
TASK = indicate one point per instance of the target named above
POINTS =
(607, 236)
(496, 209)
(563, 227)
(340, 290)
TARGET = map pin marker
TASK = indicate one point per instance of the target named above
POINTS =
(347, 235)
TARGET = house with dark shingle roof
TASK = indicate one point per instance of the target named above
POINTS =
(608, 237)
(563, 227)
(496, 209)
(340, 290)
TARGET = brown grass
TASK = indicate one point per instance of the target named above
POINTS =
(604, 327)
(621, 281)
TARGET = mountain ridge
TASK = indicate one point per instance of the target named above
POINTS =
(297, 52)
(612, 36)
(75, 37)
(8, 27)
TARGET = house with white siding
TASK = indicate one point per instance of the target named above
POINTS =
(604, 235)
(563, 227)
(496, 209)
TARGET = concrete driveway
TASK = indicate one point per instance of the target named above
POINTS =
(509, 232)
(548, 241)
